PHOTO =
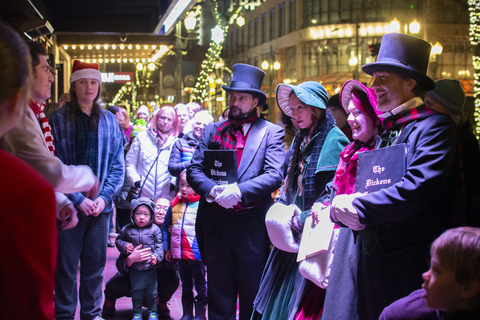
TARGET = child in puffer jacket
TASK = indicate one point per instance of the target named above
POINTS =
(181, 244)
(142, 233)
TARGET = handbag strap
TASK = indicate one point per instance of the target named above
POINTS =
(155, 161)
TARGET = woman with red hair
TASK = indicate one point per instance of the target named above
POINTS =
(147, 159)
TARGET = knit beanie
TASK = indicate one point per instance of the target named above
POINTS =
(83, 70)
(143, 109)
(449, 93)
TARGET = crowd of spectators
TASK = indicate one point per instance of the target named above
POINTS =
(79, 178)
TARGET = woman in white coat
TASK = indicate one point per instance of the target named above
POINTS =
(147, 159)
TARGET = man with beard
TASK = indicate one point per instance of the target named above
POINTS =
(398, 223)
(231, 218)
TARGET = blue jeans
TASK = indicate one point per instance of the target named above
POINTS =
(143, 284)
(87, 244)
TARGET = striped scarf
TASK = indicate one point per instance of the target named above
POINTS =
(37, 109)
(231, 131)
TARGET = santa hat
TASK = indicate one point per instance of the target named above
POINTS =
(83, 70)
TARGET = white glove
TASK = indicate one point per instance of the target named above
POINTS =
(230, 196)
(342, 210)
(215, 192)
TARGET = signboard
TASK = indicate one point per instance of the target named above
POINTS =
(221, 166)
(380, 168)
(117, 77)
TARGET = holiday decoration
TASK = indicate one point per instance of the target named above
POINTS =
(474, 8)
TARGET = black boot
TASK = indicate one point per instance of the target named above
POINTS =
(187, 304)
(163, 311)
(108, 308)
(200, 309)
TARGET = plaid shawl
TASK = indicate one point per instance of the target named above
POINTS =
(227, 134)
(300, 181)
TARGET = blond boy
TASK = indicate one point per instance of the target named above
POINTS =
(451, 288)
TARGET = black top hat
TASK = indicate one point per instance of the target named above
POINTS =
(405, 55)
(247, 78)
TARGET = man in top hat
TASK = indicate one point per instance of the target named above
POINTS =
(398, 223)
(231, 218)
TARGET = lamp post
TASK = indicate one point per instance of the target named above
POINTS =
(180, 45)
(353, 62)
(271, 71)
(436, 51)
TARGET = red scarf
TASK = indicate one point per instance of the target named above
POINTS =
(229, 134)
(407, 116)
(346, 174)
(179, 199)
(37, 109)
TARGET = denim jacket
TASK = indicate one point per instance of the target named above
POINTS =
(111, 164)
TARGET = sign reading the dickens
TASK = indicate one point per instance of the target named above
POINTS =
(221, 166)
(380, 168)
(117, 77)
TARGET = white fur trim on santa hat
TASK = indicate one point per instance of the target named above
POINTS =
(86, 74)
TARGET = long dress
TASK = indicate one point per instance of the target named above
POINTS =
(311, 166)
(341, 296)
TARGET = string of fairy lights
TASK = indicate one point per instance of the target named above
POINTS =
(474, 32)
(201, 89)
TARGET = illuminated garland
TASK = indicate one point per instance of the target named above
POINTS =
(474, 8)
(201, 89)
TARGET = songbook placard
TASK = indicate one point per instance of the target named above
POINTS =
(316, 239)
(221, 166)
(380, 168)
